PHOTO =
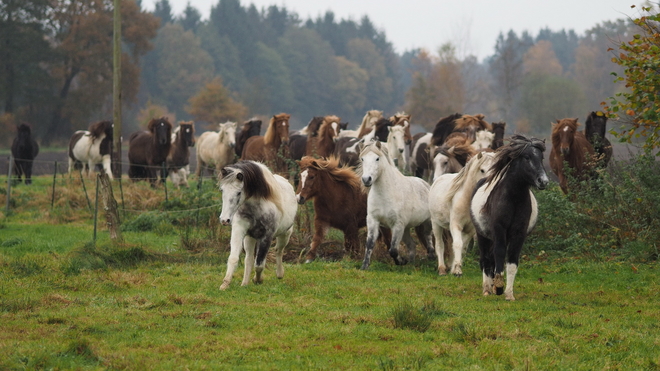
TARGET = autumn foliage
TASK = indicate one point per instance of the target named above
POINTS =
(637, 106)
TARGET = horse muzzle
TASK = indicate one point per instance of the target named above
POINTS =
(301, 200)
(225, 221)
(367, 180)
(542, 182)
(565, 151)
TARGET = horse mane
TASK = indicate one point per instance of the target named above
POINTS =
(332, 168)
(271, 133)
(362, 129)
(443, 128)
(258, 181)
(462, 153)
(477, 120)
(315, 125)
(470, 168)
(380, 126)
(99, 128)
(505, 154)
(151, 126)
(378, 148)
(400, 116)
(325, 125)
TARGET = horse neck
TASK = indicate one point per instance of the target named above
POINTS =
(333, 190)
(389, 179)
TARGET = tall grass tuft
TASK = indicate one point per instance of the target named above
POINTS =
(406, 316)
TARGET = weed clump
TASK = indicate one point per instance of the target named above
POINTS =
(407, 316)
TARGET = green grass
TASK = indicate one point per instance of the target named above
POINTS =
(154, 302)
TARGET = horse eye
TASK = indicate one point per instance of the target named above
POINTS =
(377, 158)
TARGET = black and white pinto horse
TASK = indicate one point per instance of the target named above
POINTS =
(504, 210)
(88, 148)
(259, 206)
(347, 149)
(388, 206)
(24, 149)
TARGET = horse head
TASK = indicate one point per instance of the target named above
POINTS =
(161, 129)
(280, 124)
(498, 129)
(563, 134)
(227, 133)
(403, 119)
(396, 139)
(187, 132)
(373, 157)
(484, 140)
(24, 130)
(307, 187)
(595, 125)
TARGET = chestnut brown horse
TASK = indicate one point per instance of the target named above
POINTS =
(323, 144)
(148, 150)
(273, 147)
(571, 147)
(338, 202)
(403, 119)
(178, 161)
(470, 124)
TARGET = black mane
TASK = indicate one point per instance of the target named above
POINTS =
(254, 182)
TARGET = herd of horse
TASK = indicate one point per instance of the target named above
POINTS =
(466, 184)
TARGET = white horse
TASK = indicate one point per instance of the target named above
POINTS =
(216, 148)
(483, 141)
(259, 206)
(449, 204)
(395, 201)
(396, 146)
(92, 147)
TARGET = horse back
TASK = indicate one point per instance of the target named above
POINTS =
(254, 149)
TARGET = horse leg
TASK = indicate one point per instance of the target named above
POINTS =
(512, 261)
(28, 172)
(320, 230)
(410, 244)
(260, 262)
(372, 235)
(486, 263)
(438, 232)
(424, 233)
(238, 233)
(107, 166)
(351, 240)
(397, 234)
(499, 253)
(459, 244)
(184, 176)
(281, 242)
(248, 245)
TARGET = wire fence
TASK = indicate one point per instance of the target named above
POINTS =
(68, 177)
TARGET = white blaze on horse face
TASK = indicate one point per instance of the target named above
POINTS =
(232, 198)
(335, 130)
(303, 178)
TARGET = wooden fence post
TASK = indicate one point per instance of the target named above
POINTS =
(11, 166)
(110, 208)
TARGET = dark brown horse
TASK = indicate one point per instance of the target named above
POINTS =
(24, 149)
(178, 160)
(250, 128)
(498, 129)
(323, 143)
(272, 148)
(338, 202)
(570, 150)
(444, 128)
(148, 150)
(298, 139)
(595, 128)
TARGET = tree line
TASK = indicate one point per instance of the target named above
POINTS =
(56, 68)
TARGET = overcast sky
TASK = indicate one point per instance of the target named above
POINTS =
(472, 25)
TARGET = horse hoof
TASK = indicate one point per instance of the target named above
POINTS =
(510, 297)
(224, 286)
(442, 271)
(499, 290)
(458, 274)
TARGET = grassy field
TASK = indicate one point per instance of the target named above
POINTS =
(153, 301)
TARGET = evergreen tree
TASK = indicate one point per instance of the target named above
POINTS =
(163, 10)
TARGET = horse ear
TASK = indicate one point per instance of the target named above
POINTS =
(378, 144)
(480, 155)
(239, 176)
(224, 172)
